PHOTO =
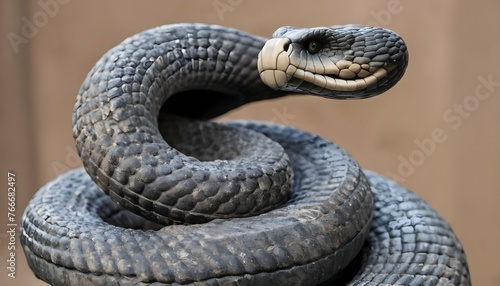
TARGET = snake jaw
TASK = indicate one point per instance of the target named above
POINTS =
(357, 63)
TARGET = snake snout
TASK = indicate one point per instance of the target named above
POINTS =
(273, 61)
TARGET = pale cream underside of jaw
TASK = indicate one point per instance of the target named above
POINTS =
(276, 69)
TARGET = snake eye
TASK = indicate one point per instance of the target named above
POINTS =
(313, 46)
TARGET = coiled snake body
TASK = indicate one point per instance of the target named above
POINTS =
(237, 203)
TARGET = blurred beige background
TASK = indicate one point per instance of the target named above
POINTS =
(451, 91)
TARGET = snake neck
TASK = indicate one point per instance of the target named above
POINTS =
(209, 68)
(213, 83)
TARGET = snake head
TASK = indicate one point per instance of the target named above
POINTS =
(336, 62)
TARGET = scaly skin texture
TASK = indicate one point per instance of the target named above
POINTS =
(242, 203)
(304, 241)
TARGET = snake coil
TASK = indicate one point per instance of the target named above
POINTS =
(168, 198)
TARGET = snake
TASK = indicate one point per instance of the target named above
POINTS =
(168, 196)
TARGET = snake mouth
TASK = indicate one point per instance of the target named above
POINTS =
(294, 79)
(329, 81)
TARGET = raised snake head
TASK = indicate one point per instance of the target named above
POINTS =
(339, 62)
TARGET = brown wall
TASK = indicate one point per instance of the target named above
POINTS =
(453, 49)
